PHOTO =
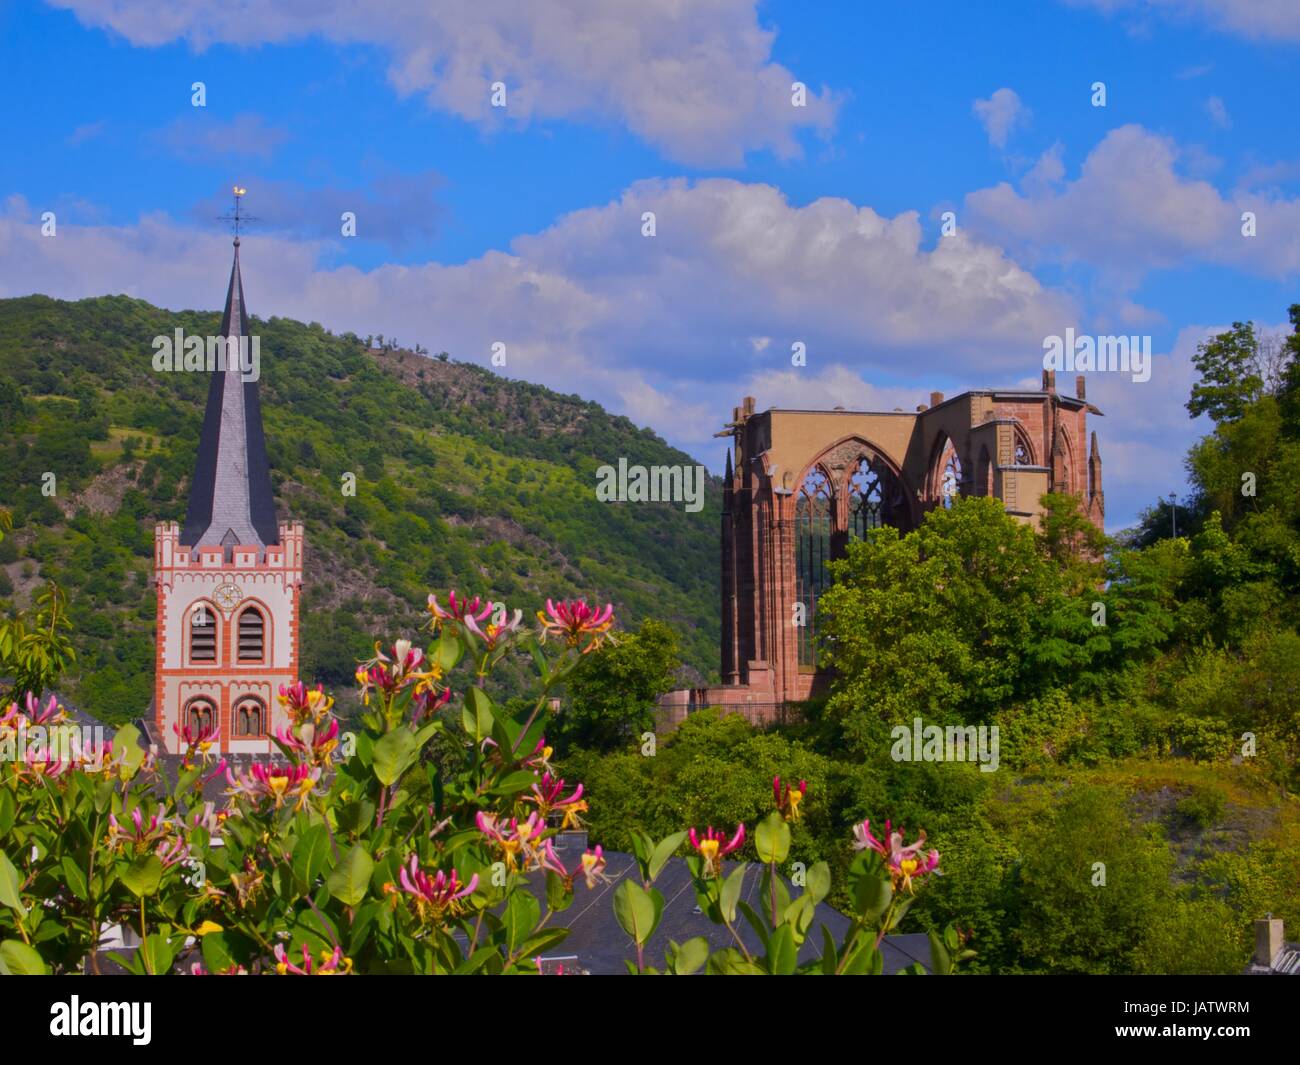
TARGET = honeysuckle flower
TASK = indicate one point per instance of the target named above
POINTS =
(593, 867)
(197, 741)
(573, 619)
(541, 757)
(906, 864)
(331, 963)
(438, 895)
(390, 673)
(548, 794)
(172, 851)
(519, 843)
(715, 846)
(208, 818)
(788, 798)
(429, 701)
(547, 859)
(310, 742)
(458, 610)
(303, 703)
(275, 782)
(491, 633)
(138, 834)
(53, 714)
(41, 763)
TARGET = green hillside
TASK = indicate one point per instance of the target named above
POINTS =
(463, 480)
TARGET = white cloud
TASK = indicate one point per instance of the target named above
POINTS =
(1218, 113)
(696, 80)
(1130, 211)
(1277, 20)
(1000, 114)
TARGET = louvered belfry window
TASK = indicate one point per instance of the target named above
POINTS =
(252, 635)
(203, 634)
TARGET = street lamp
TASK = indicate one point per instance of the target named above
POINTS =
(1173, 512)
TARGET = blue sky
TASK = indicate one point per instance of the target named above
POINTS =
(774, 224)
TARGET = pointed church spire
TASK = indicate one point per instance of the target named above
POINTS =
(231, 501)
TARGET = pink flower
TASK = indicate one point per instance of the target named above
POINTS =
(331, 964)
(275, 782)
(436, 895)
(401, 667)
(198, 742)
(573, 619)
(492, 634)
(788, 799)
(303, 703)
(519, 843)
(593, 867)
(713, 849)
(905, 863)
(310, 742)
(458, 609)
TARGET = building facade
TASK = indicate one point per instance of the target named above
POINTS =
(229, 580)
(805, 483)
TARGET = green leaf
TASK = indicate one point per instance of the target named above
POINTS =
(558, 897)
(830, 958)
(157, 954)
(940, 959)
(143, 875)
(731, 891)
(394, 754)
(311, 856)
(476, 714)
(9, 882)
(782, 953)
(75, 878)
(350, 878)
(690, 956)
(772, 839)
(18, 959)
(8, 811)
(665, 850)
(521, 915)
(636, 910)
(448, 651)
(513, 783)
(818, 881)
(217, 957)
(127, 741)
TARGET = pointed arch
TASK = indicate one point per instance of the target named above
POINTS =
(814, 509)
(251, 634)
(202, 633)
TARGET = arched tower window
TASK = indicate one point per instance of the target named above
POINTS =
(203, 633)
(1023, 454)
(250, 718)
(200, 714)
(252, 635)
(812, 552)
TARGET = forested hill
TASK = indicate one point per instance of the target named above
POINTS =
(464, 479)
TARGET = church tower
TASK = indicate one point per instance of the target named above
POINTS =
(229, 581)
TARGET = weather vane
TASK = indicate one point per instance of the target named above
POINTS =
(237, 218)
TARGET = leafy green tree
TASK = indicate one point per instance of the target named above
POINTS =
(1229, 380)
(950, 622)
(611, 696)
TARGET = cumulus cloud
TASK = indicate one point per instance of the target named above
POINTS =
(1130, 211)
(1255, 19)
(696, 80)
(1000, 114)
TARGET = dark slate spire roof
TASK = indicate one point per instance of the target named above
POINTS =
(231, 501)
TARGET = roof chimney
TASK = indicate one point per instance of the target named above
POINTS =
(936, 398)
(1049, 380)
(1269, 941)
(1079, 389)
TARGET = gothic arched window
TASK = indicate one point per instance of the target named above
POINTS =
(866, 500)
(950, 479)
(250, 718)
(812, 552)
(203, 633)
(252, 635)
(200, 714)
